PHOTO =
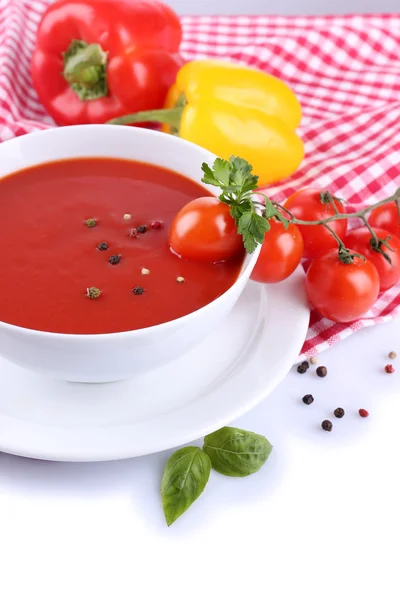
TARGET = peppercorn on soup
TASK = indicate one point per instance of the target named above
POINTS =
(85, 248)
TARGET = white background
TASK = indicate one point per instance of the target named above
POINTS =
(320, 521)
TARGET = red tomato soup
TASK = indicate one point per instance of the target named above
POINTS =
(50, 257)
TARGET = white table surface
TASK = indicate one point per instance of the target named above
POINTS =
(319, 521)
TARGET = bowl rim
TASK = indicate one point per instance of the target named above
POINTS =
(249, 260)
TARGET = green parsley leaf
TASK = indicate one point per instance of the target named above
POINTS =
(236, 181)
(237, 210)
(241, 174)
(222, 170)
(244, 222)
(252, 227)
(258, 227)
(209, 177)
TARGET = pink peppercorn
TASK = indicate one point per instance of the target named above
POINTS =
(389, 369)
(156, 225)
(363, 413)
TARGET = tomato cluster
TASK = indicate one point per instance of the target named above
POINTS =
(342, 282)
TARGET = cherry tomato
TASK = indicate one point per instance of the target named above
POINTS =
(342, 292)
(306, 205)
(280, 254)
(386, 217)
(204, 230)
(359, 241)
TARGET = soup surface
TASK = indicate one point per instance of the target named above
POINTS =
(50, 256)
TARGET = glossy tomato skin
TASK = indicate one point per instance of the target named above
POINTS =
(340, 292)
(204, 230)
(306, 205)
(386, 217)
(280, 254)
(141, 40)
(359, 241)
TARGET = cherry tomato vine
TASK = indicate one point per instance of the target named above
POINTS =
(346, 273)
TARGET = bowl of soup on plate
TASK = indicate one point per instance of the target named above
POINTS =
(91, 290)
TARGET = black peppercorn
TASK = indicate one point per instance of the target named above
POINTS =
(326, 425)
(303, 367)
(102, 246)
(142, 229)
(322, 371)
(308, 399)
(339, 413)
(138, 290)
(114, 259)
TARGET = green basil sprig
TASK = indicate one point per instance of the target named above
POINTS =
(230, 451)
(185, 477)
(236, 452)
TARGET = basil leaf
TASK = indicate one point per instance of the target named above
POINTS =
(185, 477)
(236, 452)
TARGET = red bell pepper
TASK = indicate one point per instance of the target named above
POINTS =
(98, 59)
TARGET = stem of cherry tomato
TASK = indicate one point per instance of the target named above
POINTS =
(346, 256)
(339, 216)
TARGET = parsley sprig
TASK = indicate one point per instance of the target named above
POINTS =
(237, 183)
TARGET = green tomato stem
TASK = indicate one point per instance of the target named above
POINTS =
(341, 216)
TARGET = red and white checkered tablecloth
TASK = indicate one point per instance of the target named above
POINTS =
(345, 71)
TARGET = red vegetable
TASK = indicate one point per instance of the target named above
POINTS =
(204, 230)
(307, 205)
(99, 59)
(342, 292)
(359, 240)
(280, 253)
(387, 217)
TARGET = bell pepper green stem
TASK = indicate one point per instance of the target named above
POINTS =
(85, 70)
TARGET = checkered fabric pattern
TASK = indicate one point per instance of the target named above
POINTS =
(344, 70)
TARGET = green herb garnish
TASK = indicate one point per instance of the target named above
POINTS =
(238, 187)
(185, 477)
(236, 452)
(230, 451)
(237, 182)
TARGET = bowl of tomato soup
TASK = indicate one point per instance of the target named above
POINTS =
(91, 291)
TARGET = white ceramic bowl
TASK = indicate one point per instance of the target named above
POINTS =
(112, 356)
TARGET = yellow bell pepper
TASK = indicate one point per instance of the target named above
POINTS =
(230, 109)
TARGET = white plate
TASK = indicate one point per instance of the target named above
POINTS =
(222, 378)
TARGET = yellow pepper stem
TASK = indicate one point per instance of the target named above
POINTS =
(164, 116)
(169, 116)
